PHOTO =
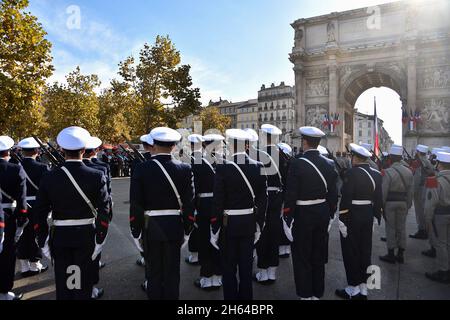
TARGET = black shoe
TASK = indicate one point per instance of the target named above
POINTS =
(430, 253)
(439, 276)
(420, 235)
(389, 258)
(197, 263)
(400, 256)
(30, 273)
(383, 239)
(100, 292)
(263, 283)
(198, 284)
(344, 295)
(101, 265)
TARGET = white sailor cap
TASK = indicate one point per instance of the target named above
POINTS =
(147, 138)
(287, 149)
(6, 143)
(422, 149)
(238, 134)
(443, 157)
(360, 150)
(253, 134)
(323, 151)
(196, 138)
(446, 149)
(385, 154)
(73, 138)
(213, 137)
(367, 146)
(93, 143)
(164, 134)
(312, 132)
(271, 129)
(435, 151)
(28, 143)
(396, 150)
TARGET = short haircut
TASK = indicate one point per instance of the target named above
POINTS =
(312, 142)
(4, 153)
(145, 144)
(360, 157)
(30, 152)
(165, 144)
(73, 153)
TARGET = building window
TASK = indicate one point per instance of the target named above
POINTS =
(253, 126)
(360, 133)
(370, 124)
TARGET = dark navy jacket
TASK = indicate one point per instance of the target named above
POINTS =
(150, 190)
(269, 155)
(35, 171)
(232, 193)
(358, 186)
(304, 183)
(204, 174)
(98, 162)
(57, 194)
(13, 182)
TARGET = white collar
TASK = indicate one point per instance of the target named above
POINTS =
(74, 160)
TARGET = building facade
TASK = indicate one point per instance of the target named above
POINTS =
(364, 127)
(247, 115)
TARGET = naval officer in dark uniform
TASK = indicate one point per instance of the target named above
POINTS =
(78, 198)
(239, 212)
(268, 246)
(28, 252)
(14, 191)
(204, 174)
(162, 213)
(311, 199)
(361, 204)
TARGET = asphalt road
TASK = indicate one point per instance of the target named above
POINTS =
(121, 278)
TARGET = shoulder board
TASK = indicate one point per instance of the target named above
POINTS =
(431, 183)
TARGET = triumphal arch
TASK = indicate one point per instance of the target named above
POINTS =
(402, 45)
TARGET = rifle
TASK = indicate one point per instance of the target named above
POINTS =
(48, 154)
(407, 154)
(128, 153)
(137, 154)
(16, 156)
(57, 154)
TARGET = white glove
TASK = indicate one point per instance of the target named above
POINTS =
(19, 231)
(185, 241)
(138, 243)
(343, 229)
(331, 224)
(46, 250)
(1, 242)
(214, 239)
(98, 249)
(257, 234)
(288, 230)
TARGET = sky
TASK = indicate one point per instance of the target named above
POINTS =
(232, 46)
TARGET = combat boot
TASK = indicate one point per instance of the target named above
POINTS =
(430, 253)
(390, 257)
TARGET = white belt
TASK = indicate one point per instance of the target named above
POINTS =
(274, 189)
(162, 213)
(205, 195)
(73, 223)
(361, 202)
(241, 212)
(310, 202)
(12, 205)
(31, 198)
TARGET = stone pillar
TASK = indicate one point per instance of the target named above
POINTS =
(411, 138)
(335, 140)
(299, 103)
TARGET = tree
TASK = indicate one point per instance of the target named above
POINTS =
(73, 104)
(118, 113)
(25, 64)
(162, 85)
(211, 118)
